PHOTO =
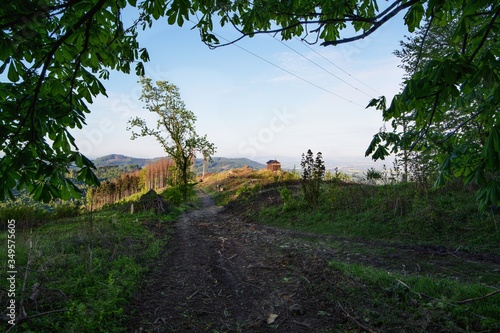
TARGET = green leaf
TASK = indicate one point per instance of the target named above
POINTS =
(491, 150)
(373, 144)
(139, 69)
(440, 181)
(414, 16)
(144, 55)
(12, 75)
(78, 159)
(380, 153)
(4, 65)
(6, 49)
(65, 193)
(379, 103)
(171, 19)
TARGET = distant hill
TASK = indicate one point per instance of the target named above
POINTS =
(116, 159)
(218, 163)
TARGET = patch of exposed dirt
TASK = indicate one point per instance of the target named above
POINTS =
(221, 273)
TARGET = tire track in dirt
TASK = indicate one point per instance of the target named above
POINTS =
(220, 273)
(213, 277)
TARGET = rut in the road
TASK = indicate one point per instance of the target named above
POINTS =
(220, 273)
(213, 277)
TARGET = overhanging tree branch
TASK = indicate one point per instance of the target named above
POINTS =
(376, 25)
(376, 21)
(424, 38)
(48, 58)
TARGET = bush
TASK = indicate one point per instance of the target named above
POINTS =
(337, 176)
(372, 175)
(313, 172)
(25, 216)
(66, 210)
(173, 195)
(289, 203)
(248, 188)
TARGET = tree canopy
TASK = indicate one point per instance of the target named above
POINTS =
(448, 109)
(55, 53)
(174, 129)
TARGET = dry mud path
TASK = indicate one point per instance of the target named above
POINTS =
(219, 273)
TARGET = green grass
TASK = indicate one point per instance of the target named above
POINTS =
(385, 299)
(397, 213)
(79, 279)
(381, 225)
(226, 186)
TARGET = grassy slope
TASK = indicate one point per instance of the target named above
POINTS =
(396, 213)
(229, 185)
(81, 275)
(395, 299)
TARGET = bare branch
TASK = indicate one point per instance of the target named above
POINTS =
(360, 325)
(462, 124)
(377, 21)
(485, 36)
(429, 123)
(479, 298)
(421, 49)
(376, 25)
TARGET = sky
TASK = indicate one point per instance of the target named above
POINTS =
(259, 98)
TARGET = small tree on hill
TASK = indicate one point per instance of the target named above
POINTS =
(372, 175)
(174, 129)
(313, 172)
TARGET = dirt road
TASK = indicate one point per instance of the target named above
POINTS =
(219, 273)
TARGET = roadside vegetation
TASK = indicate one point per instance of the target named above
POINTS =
(76, 273)
(401, 302)
(406, 252)
(403, 213)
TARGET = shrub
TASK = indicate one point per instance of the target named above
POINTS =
(173, 195)
(313, 172)
(337, 176)
(66, 210)
(372, 175)
(25, 216)
(289, 202)
(248, 188)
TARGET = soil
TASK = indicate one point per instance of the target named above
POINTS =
(220, 272)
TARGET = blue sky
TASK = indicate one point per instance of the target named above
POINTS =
(250, 108)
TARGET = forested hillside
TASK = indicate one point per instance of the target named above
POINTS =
(117, 159)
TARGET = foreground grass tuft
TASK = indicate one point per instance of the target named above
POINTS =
(81, 272)
(418, 303)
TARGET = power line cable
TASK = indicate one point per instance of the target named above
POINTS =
(295, 75)
(324, 69)
(325, 58)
